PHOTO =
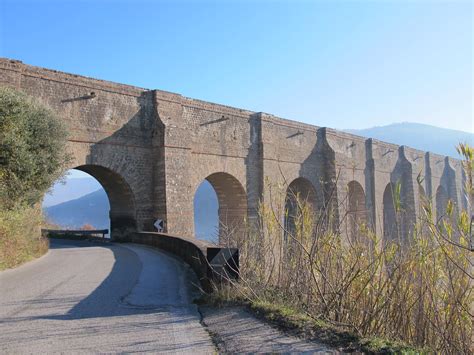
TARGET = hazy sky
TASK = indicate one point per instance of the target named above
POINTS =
(342, 64)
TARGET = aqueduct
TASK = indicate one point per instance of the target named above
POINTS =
(151, 149)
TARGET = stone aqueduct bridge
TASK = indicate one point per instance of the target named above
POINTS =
(151, 150)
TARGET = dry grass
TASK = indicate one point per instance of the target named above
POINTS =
(20, 236)
(418, 291)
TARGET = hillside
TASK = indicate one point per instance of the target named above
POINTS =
(92, 209)
(420, 136)
(75, 188)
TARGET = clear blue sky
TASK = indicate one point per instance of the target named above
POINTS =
(341, 64)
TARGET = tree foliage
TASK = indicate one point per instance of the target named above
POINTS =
(32, 149)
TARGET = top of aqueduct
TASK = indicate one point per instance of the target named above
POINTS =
(127, 89)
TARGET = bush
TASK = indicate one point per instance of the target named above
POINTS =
(32, 149)
(20, 236)
(418, 291)
(32, 156)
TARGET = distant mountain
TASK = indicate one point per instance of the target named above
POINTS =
(70, 189)
(419, 136)
(92, 209)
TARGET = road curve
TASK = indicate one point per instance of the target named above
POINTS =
(101, 298)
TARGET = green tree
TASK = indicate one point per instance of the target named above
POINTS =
(32, 149)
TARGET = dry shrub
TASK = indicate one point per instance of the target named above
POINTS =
(418, 290)
(87, 227)
(20, 236)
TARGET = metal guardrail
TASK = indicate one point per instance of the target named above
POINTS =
(75, 232)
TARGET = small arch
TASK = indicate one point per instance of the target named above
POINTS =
(300, 190)
(232, 206)
(390, 223)
(441, 202)
(356, 209)
(206, 212)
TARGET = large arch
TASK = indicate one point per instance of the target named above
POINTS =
(232, 200)
(441, 202)
(356, 209)
(391, 228)
(300, 190)
(122, 202)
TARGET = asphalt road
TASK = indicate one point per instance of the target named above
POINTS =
(85, 297)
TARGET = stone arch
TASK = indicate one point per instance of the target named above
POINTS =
(299, 190)
(356, 208)
(123, 219)
(441, 202)
(391, 228)
(232, 201)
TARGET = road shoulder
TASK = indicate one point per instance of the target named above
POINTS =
(235, 330)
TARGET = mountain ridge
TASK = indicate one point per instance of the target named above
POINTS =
(92, 208)
(407, 123)
(418, 136)
(75, 188)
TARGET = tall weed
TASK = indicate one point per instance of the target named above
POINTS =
(418, 290)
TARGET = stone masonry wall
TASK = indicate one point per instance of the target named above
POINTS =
(152, 149)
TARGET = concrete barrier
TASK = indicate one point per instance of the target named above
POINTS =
(192, 251)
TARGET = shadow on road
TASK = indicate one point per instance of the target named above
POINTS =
(106, 299)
